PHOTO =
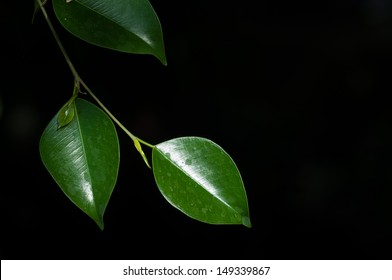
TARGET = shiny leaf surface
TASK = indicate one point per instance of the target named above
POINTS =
(83, 157)
(200, 179)
(124, 25)
(66, 114)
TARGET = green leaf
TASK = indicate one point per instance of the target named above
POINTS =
(83, 158)
(200, 179)
(66, 114)
(124, 25)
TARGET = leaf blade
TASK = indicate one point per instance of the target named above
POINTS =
(124, 25)
(83, 158)
(200, 179)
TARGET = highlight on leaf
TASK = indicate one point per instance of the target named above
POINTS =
(80, 148)
(83, 158)
(66, 114)
(200, 179)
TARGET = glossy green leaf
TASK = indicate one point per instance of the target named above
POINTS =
(123, 25)
(83, 158)
(199, 178)
(66, 113)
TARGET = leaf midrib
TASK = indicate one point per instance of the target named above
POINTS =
(85, 157)
(115, 22)
(189, 176)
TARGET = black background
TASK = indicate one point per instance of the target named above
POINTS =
(297, 92)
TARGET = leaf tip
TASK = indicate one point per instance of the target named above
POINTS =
(100, 224)
(162, 59)
(246, 221)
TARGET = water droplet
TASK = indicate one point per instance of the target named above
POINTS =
(188, 161)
